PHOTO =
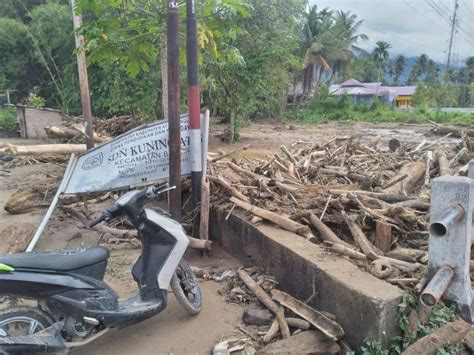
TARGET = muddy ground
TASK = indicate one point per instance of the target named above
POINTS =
(174, 331)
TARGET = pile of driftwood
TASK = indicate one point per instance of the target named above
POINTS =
(72, 130)
(361, 199)
(276, 322)
(275, 314)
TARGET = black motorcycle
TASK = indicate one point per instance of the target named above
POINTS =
(72, 305)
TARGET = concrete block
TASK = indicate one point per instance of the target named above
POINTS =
(470, 170)
(309, 342)
(450, 244)
(365, 306)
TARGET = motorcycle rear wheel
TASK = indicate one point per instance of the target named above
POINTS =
(186, 288)
(23, 320)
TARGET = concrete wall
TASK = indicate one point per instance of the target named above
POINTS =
(32, 121)
(365, 306)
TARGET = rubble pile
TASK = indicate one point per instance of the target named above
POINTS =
(361, 199)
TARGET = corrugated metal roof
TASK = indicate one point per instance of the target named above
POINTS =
(354, 87)
(351, 82)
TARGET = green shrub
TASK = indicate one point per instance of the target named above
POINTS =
(440, 316)
(8, 118)
(36, 101)
(325, 107)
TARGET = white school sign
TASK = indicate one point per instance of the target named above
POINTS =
(136, 157)
(139, 156)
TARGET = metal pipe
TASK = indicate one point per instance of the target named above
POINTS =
(194, 101)
(437, 286)
(443, 224)
(205, 142)
(174, 121)
(83, 80)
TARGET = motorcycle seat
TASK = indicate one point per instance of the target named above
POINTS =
(57, 260)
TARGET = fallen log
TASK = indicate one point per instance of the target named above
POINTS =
(267, 301)
(383, 236)
(327, 326)
(16, 237)
(61, 132)
(226, 185)
(417, 204)
(272, 332)
(298, 323)
(343, 250)
(279, 220)
(448, 334)
(38, 196)
(415, 172)
(288, 154)
(359, 237)
(371, 252)
(292, 322)
(98, 138)
(387, 197)
(307, 342)
(406, 254)
(443, 164)
(325, 232)
(222, 156)
(42, 149)
(455, 132)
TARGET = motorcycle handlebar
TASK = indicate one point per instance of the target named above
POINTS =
(153, 192)
(106, 216)
(150, 193)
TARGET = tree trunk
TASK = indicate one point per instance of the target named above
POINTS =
(42, 149)
(415, 171)
(232, 126)
(378, 80)
(295, 82)
(164, 74)
(448, 334)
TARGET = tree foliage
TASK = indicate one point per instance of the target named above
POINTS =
(250, 51)
(329, 40)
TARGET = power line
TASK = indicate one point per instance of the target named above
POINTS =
(421, 13)
(468, 9)
(399, 37)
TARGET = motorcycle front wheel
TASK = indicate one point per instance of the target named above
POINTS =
(186, 288)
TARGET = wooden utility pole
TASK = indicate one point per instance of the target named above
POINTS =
(174, 121)
(451, 37)
(194, 101)
(83, 79)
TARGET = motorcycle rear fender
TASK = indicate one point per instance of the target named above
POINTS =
(34, 285)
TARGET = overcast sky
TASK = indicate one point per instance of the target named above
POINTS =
(412, 27)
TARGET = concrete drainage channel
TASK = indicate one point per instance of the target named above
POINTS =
(365, 306)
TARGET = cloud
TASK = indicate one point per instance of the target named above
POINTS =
(412, 27)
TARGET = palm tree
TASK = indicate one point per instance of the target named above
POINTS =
(346, 27)
(328, 40)
(399, 67)
(380, 55)
(422, 66)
